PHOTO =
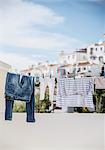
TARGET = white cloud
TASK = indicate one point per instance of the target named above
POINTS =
(54, 42)
(18, 21)
(18, 14)
(45, 41)
(15, 60)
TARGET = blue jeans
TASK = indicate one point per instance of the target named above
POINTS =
(29, 109)
(19, 88)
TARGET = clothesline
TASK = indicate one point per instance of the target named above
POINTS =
(71, 92)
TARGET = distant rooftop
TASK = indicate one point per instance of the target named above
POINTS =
(5, 64)
(83, 50)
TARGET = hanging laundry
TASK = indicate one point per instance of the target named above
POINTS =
(88, 92)
(44, 82)
(22, 90)
(19, 89)
(75, 92)
(61, 94)
(42, 88)
(70, 93)
(100, 83)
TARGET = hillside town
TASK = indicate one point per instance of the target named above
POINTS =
(52, 74)
(85, 62)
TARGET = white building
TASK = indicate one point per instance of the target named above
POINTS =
(4, 68)
(74, 61)
(85, 60)
(88, 69)
(96, 52)
(73, 58)
(40, 69)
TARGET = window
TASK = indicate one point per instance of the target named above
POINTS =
(93, 57)
(91, 51)
(79, 69)
(89, 70)
(96, 49)
(101, 58)
(101, 48)
(84, 68)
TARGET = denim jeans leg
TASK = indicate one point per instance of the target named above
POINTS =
(30, 109)
(8, 109)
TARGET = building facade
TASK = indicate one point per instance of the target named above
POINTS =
(41, 69)
(96, 53)
(88, 61)
(83, 61)
(4, 68)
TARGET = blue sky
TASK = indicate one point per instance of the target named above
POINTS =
(37, 30)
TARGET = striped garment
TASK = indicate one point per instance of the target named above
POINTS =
(75, 92)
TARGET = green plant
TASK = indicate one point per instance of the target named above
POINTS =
(42, 105)
(100, 101)
(19, 107)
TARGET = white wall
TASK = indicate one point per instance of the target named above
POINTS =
(98, 51)
(3, 72)
(73, 58)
